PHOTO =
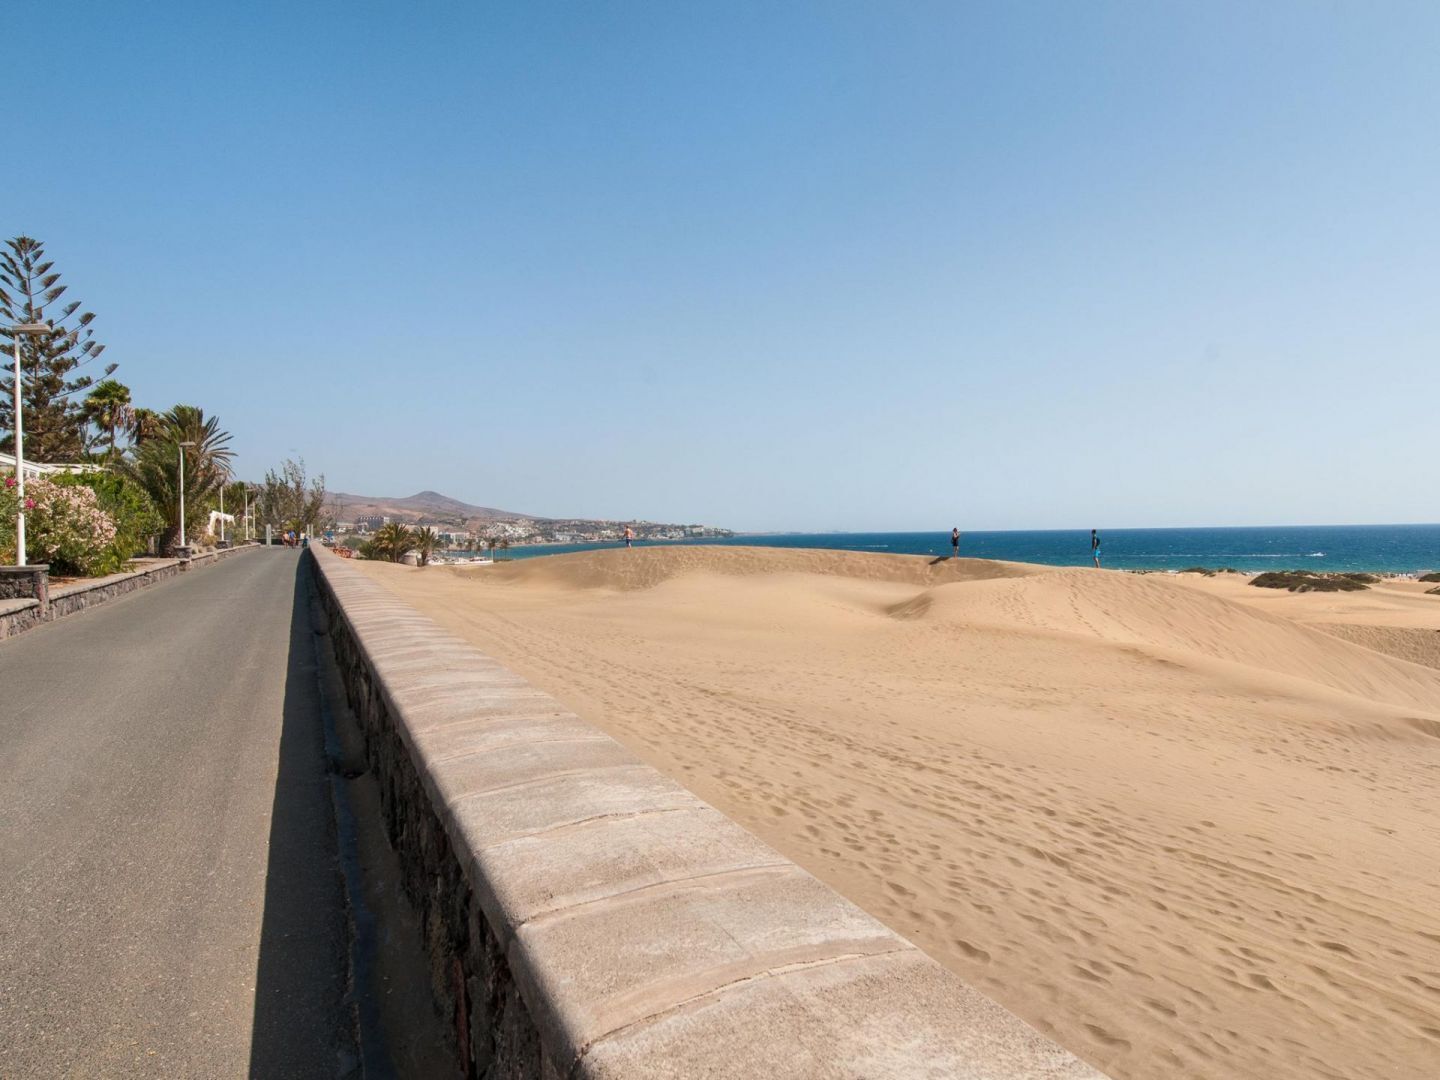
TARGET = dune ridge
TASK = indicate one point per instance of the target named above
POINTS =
(1418, 645)
(1157, 613)
(1185, 833)
(644, 568)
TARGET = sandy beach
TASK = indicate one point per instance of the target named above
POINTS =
(1185, 826)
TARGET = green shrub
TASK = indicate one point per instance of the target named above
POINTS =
(1435, 576)
(1303, 581)
(1198, 570)
(137, 521)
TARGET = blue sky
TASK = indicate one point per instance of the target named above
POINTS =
(771, 266)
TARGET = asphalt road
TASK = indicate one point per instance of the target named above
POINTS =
(170, 899)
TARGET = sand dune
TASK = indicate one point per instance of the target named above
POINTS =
(1177, 826)
(1158, 613)
(1396, 617)
(644, 568)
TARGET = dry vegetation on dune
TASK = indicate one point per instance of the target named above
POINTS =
(1168, 820)
(1302, 581)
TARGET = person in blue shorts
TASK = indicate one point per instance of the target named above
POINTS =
(1095, 547)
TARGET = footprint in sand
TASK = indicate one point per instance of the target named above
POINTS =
(971, 951)
(1107, 1038)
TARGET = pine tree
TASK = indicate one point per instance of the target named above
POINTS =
(55, 422)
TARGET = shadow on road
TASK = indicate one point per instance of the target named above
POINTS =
(304, 1022)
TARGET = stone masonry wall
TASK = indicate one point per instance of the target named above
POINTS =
(469, 974)
(23, 583)
(587, 917)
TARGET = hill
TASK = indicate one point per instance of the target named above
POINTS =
(429, 505)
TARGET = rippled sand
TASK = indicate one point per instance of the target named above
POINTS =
(1167, 820)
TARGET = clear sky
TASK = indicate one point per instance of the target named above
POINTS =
(883, 265)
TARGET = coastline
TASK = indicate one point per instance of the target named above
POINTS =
(1377, 549)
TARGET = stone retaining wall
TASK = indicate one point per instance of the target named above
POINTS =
(25, 583)
(588, 917)
(18, 616)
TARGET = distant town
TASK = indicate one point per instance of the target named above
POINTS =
(527, 531)
(462, 526)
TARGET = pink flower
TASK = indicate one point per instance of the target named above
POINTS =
(9, 481)
(29, 504)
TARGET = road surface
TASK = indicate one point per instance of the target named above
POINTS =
(170, 899)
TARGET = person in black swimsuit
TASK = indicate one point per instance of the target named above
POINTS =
(955, 542)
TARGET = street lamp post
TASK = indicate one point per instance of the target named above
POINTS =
(37, 329)
(182, 447)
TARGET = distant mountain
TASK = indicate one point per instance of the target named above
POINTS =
(427, 505)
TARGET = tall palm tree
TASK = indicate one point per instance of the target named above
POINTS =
(392, 541)
(143, 424)
(424, 541)
(108, 408)
(155, 464)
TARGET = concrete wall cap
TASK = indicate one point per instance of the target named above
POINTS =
(578, 864)
(888, 1016)
(441, 741)
(523, 764)
(490, 818)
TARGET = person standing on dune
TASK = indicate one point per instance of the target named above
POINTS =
(629, 536)
(1095, 547)
(955, 542)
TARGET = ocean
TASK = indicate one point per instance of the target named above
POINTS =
(1390, 548)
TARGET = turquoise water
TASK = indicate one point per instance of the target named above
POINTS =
(1393, 548)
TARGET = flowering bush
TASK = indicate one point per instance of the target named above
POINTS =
(64, 526)
(129, 507)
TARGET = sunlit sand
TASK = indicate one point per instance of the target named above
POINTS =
(1175, 822)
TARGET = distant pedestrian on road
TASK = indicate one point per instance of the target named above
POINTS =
(629, 536)
(1095, 547)
(955, 542)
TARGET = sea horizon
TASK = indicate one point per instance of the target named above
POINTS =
(1395, 549)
